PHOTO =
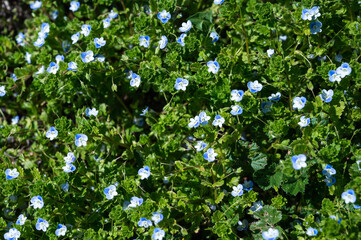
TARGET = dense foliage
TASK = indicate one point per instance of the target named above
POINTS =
(181, 119)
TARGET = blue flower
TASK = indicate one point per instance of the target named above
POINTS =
(200, 146)
(20, 39)
(106, 22)
(203, 118)
(247, 185)
(70, 158)
(270, 234)
(157, 217)
(144, 172)
(81, 140)
(315, 11)
(256, 206)
(304, 121)
(299, 161)
(87, 56)
(338, 58)
(186, 26)
(194, 122)
(72, 66)
(180, 40)
(158, 234)
(99, 42)
(66, 45)
(37, 202)
(316, 27)
(326, 96)
(15, 120)
(266, 107)
(39, 42)
(59, 58)
(306, 14)
(242, 225)
(28, 57)
(135, 202)
(53, 68)
(218, 121)
(237, 190)
(74, 6)
(91, 112)
(144, 41)
(329, 181)
(61, 230)
(110, 192)
(52, 133)
(329, 171)
(21, 220)
(349, 196)
(270, 52)
(112, 14)
(68, 168)
(311, 231)
(210, 155)
(283, 38)
(236, 110)
(181, 84)
(135, 81)
(275, 97)
(213, 66)
(65, 187)
(310, 14)
(214, 37)
(2, 91)
(11, 174)
(254, 86)
(356, 206)
(333, 76)
(75, 37)
(13, 234)
(35, 5)
(85, 29)
(163, 42)
(144, 111)
(143, 222)
(344, 70)
(237, 95)
(99, 58)
(40, 71)
(45, 28)
(299, 102)
(54, 14)
(41, 225)
(218, 1)
(164, 16)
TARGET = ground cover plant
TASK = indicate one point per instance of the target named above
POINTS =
(179, 119)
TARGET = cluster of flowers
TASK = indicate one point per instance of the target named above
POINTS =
(41, 224)
(135, 79)
(110, 192)
(80, 139)
(328, 172)
(238, 190)
(158, 233)
(341, 72)
(348, 196)
(311, 15)
(69, 159)
(42, 35)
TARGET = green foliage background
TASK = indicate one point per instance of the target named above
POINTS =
(293, 200)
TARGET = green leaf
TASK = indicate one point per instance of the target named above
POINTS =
(259, 161)
(202, 20)
(220, 197)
